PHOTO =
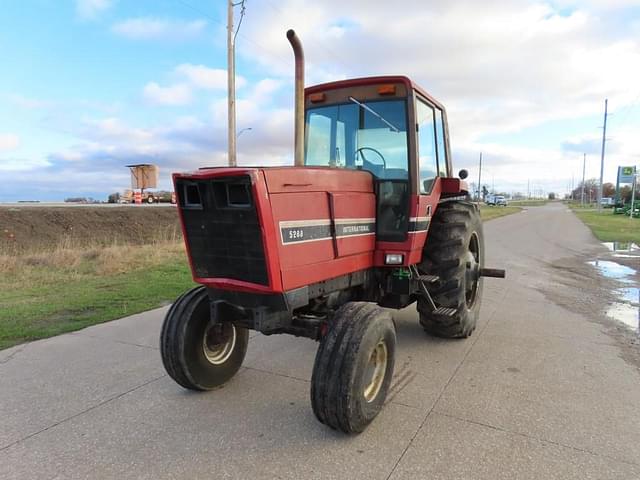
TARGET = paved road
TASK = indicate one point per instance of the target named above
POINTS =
(540, 391)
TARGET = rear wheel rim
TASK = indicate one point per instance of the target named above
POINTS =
(218, 342)
(472, 270)
(376, 370)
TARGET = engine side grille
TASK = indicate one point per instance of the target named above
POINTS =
(222, 228)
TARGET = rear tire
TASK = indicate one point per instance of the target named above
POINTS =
(199, 355)
(353, 367)
(454, 252)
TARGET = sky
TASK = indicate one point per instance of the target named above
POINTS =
(89, 86)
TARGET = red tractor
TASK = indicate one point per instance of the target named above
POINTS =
(369, 218)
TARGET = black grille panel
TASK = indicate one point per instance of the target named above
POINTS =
(222, 227)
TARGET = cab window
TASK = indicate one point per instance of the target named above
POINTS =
(364, 135)
(442, 150)
(427, 159)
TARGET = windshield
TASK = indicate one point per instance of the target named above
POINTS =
(361, 135)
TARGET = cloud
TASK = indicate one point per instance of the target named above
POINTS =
(599, 4)
(497, 66)
(201, 76)
(29, 103)
(265, 88)
(105, 145)
(149, 28)
(192, 77)
(589, 144)
(175, 95)
(9, 141)
(90, 9)
(16, 165)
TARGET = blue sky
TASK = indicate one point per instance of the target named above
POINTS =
(91, 85)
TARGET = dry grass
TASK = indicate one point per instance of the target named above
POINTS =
(75, 262)
(69, 243)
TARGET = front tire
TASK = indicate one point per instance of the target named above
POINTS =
(353, 367)
(455, 253)
(198, 354)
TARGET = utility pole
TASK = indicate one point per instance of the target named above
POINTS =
(231, 84)
(528, 191)
(604, 139)
(633, 194)
(584, 164)
(572, 185)
(479, 178)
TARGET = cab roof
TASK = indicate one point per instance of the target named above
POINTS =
(356, 82)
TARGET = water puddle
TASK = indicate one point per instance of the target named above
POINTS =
(631, 295)
(627, 309)
(614, 270)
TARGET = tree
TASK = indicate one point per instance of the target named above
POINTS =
(608, 190)
(590, 190)
(485, 192)
(625, 194)
(114, 197)
(552, 196)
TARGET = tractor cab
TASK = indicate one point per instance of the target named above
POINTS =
(391, 128)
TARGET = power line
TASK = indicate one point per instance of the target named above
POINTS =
(627, 109)
(242, 10)
(286, 63)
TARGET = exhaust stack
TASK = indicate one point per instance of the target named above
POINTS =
(299, 98)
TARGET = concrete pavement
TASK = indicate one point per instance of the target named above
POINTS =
(545, 388)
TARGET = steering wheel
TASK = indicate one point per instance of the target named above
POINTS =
(360, 151)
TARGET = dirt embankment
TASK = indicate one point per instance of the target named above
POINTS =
(31, 229)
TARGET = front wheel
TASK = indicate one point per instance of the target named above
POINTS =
(196, 353)
(353, 367)
(455, 253)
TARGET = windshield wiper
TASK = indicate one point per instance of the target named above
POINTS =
(376, 114)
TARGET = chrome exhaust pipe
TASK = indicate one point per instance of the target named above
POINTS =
(298, 54)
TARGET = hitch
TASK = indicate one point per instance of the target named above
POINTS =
(475, 272)
(492, 272)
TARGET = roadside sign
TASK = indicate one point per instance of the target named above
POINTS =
(625, 174)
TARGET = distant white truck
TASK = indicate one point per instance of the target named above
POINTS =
(496, 200)
(607, 202)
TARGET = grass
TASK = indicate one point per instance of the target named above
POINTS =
(488, 213)
(48, 293)
(528, 203)
(608, 227)
(578, 206)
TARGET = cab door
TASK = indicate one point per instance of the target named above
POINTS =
(432, 164)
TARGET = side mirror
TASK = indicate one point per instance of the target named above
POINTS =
(463, 174)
